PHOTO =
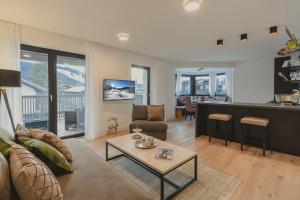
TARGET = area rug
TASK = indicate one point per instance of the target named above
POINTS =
(211, 184)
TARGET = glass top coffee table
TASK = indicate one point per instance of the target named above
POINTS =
(159, 167)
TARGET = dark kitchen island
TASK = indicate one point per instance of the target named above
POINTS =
(284, 122)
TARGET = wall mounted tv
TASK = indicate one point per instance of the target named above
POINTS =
(118, 90)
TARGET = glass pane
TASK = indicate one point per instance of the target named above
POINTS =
(202, 85)
(140, 76)
(35, 105)
(70, 95)
(185, 83)
(221, 89)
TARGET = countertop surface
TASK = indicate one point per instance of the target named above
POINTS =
(251, 105)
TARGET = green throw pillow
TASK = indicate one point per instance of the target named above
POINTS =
(55, 160)
(5, 146)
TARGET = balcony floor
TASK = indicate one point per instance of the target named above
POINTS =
(64, 133)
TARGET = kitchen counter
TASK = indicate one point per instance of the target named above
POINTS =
(253, 105)
(284, 122)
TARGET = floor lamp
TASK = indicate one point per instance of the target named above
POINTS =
(9, 78)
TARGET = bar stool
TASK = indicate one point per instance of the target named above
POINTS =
(218, 117)
(256, 121)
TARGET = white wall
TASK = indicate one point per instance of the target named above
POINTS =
(253, 81)
(111, 63)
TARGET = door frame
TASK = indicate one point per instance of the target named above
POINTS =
(52, 81)
(148, 81)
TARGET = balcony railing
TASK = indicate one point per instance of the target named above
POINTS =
(36, 108)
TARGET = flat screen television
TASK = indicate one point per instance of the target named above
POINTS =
(118, 90)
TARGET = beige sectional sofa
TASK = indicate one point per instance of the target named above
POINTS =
(93, 178)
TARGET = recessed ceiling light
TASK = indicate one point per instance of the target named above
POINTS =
(123, 37)
(244, 37)
(273, 30)
(220, 42)
(191, 5)
(27, 55)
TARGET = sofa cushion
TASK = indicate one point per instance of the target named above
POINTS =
(139, 112)
(5, 146)
(4, 179)
(48, 154)
(22, 131)
(53, 140)
(94, 178)
(31, 177)
(156, 113)
(150, 126)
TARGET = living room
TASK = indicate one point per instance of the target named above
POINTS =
(85, 74)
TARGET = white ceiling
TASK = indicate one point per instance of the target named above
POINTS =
(162, 28)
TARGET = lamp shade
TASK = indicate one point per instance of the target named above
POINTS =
(10, 78)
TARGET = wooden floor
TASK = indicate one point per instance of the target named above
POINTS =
(276, 176)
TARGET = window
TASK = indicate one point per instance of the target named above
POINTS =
(221, 89)
(185, 83)
(202, 85)
(141, 76)
(53, 90)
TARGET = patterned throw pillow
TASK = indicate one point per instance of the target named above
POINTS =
(4, 179)
(53, 140)
(22, 131)
(55, 160)
(31, 178)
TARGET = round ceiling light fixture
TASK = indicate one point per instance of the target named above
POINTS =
(191, 5)
(124, 37)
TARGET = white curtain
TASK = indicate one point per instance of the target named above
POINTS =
(178, 84)
(213, 83)
(10, 59)
(93, 108)
(228, 82)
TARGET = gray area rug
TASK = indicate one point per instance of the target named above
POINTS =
(211, 184)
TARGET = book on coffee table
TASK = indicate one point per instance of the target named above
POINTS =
(164, 153)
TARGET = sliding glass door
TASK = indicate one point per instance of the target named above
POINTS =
(53, 90)
(141, 76)
(70, 95)
(35, 89)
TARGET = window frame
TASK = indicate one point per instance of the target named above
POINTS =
(193, 85)
(52, 81)
(148, 81)
(220, 95)
(202, 75)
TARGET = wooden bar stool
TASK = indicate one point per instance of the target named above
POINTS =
(256, 121)
(217, 117)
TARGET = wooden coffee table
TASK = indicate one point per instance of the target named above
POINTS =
(146, 158)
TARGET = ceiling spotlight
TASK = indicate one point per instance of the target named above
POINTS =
(220, 42)
(244, 37)
(123, 37)
(191, 5)
(273, 30)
